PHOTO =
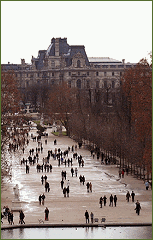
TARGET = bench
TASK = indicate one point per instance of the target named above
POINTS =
(96, 219)
(102, 219)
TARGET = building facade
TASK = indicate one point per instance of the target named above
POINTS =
(62, 62)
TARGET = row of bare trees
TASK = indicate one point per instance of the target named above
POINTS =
(121, 130)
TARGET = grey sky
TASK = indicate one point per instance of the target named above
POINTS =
(115, 29)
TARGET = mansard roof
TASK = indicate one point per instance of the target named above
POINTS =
(66, 50)
(103, 60)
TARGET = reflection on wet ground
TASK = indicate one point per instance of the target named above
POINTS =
(79, 233)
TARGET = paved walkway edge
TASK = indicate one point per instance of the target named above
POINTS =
(45, 225)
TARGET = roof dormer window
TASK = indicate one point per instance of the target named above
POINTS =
(78, 64)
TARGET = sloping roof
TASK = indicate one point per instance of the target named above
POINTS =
(103, 60)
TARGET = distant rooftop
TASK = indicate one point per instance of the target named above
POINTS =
(102, 60)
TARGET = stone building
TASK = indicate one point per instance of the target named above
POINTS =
(62, 62)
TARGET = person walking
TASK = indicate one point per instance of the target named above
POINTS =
(43, 198)
(22, 216)
(101, 202)
(128, 196)
(92, 217)
(64, 191)
(147, 185)
(67, 190)
(122, 173)
(132, 195)
(42, 179)
(40, 197)
(138, 207)
(11, 218)
(72, 171)
(62, 183)
(46, 214)
(104, 198)
(111, 200)
(115, 200)
(90, 186)
(76, 172)
(87, 216)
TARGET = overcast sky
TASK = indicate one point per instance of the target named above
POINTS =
(115, 29)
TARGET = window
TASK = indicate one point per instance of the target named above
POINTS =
(113, 84)
(69, 84)
(87, 73)
(52, 82)
(69, 73)
(105, 84)
(112, 73)
(79, 83)
(120, 73)
(52, 64)
(52, 74)
(97, 73)
(97, 84)
(78, 73)
(88, 84)
(105, 74)
(78, 63)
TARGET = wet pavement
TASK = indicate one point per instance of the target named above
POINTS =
(104, 181)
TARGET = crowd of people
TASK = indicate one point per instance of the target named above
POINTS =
(63, 159)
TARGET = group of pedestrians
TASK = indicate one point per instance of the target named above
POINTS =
(89, 187)
(60, 156)
(128, 196)
(87, 216)
(42, 199)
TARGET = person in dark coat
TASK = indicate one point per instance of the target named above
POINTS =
(101, 202)
(62, 183)
(111, 200)
(42, 179)
(67, 190)
(46, 214)
(88, 185)
(115, 200)
(40, 197)
(43, 198)
(128, 196)
(22, 216)
(64, 191)
(132, 195)
(72, 171)
(45, 178)
(11, 218)
(104, 198)
(87, 216)
(138, 207)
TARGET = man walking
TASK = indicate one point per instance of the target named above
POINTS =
(87, 216)
(138, 207)
(128, 196)
(101, 202)
(111, 200)
(115, 200)
(132, 195)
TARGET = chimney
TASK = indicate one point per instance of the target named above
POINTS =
(23, 61)
(123, 61)
(57, 47)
